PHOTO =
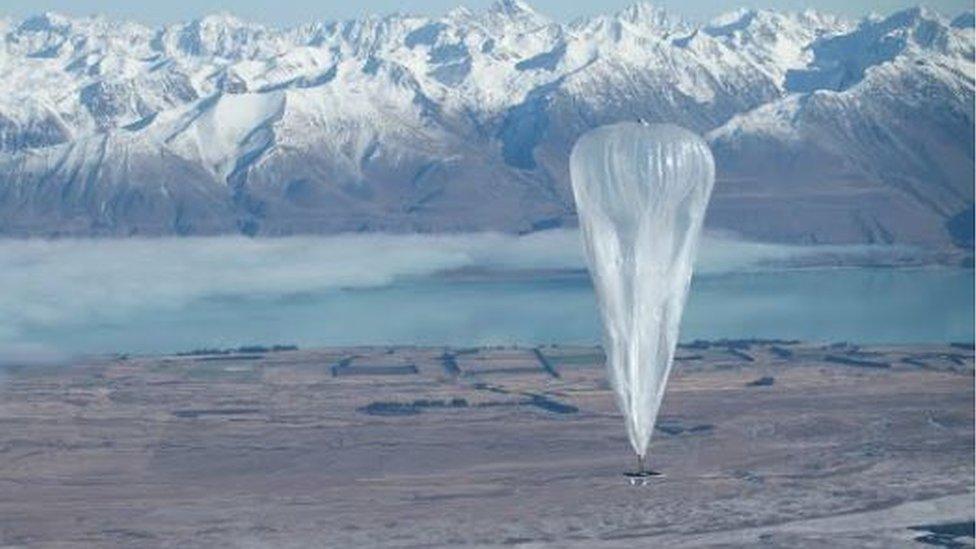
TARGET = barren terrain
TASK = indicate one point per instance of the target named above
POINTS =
(782, 443)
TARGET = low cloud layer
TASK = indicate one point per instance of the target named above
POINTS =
(85, 282)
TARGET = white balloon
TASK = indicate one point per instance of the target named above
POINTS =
(641, 192)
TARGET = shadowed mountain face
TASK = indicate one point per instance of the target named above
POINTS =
(824, 131)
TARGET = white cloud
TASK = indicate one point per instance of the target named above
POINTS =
(47, 283)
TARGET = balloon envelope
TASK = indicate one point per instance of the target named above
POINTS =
(641, 192)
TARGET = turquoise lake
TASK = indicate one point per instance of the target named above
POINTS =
(59, 298)
(854, 305)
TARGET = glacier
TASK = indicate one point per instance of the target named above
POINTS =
(824, 130)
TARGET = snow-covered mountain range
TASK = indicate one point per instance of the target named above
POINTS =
(824, 130)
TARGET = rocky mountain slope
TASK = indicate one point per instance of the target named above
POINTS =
(824, 130)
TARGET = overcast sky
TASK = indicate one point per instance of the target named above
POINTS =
(287, 12)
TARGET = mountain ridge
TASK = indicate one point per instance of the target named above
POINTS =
(824, 130)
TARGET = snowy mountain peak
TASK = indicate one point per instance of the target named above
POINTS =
(965, 20)
(730, 21)
(648, 15)
(512, 8)
(221, 19)
(218, 35)
(460, 122)
(45, 22)
(774, 42)
(459, 13)
(746, 20)
(841, 61)
(512, 17)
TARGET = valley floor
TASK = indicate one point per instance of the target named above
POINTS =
(781, 443)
